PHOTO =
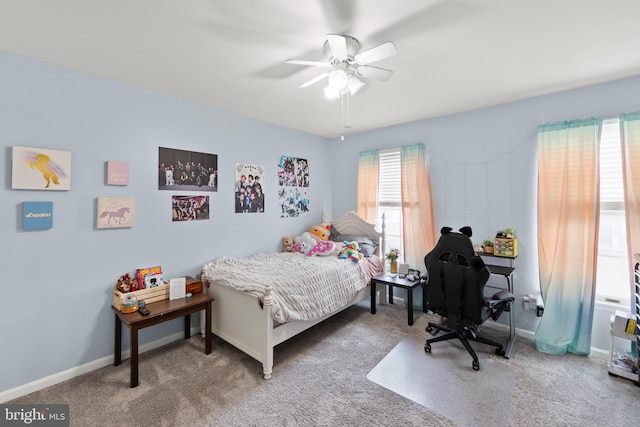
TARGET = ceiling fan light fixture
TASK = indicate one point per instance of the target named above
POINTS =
(355, 84)
(338, 79)
(331, 92)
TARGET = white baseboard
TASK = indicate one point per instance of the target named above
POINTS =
(59, 377)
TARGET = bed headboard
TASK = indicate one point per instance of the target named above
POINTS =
(351, 223)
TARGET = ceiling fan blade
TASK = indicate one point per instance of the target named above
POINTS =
(311, 63)
(338, 46)
(385, 50)
(374, 73)
(314, 80)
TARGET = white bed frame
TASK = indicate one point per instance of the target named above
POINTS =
(238, 317)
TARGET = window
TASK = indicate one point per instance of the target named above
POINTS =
(390, 198)
(612, 281)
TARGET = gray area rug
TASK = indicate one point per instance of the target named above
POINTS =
(445, 382)
(320, 379)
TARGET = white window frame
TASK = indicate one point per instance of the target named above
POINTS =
(613, 260)
(390, 198)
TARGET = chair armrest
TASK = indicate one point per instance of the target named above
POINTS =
(503, 295)
(501, 301)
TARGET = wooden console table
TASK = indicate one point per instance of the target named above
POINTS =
(160, 312)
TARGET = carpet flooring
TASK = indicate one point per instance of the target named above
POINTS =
(320, 379)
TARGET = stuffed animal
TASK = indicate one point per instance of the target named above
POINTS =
(305, 237)
(323, 248)
(320, 232)
(351, 251)
(287, 244)
(305, 247)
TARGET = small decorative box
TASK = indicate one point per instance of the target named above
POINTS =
(506, 247)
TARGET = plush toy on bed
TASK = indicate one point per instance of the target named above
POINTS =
(305, 247)
(323, 248)
(320, 232)
(351, 251)
(305, 237)
(287, 244)
(316, 234)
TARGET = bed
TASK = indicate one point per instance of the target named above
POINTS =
(251, 317)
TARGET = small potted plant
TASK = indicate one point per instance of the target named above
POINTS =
(487, 246)
(392, 256)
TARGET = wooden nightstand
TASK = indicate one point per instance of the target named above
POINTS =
(394, 280)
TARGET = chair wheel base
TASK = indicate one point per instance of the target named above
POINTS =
(476, 365)
(427, 348)
(500, 351)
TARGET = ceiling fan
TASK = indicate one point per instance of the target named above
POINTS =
(343, 54)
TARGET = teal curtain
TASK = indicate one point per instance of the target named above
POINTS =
(568, 215)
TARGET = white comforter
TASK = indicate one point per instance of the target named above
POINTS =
(303, 287)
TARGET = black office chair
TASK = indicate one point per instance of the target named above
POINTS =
(456, 280)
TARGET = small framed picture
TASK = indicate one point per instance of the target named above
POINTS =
(117, 173)
(115, 212)
(40, 169)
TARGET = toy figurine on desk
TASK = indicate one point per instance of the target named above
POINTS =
(506, 234)
(126, 284)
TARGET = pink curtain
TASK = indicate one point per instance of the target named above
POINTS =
(630, 135)
(568, 215)
(368, 171)
(417, 210)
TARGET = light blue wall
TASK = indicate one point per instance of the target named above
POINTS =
(55, 311)
(56, 284)
(483, 169)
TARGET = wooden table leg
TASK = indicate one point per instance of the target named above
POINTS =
(133, 361)
(187, 326)
(207, 340)
(117, 347)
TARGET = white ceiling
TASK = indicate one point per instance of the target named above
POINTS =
(453, 55)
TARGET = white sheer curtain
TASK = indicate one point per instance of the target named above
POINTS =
(417, 210)
(568, 215)
(368, 176)
(630, 135)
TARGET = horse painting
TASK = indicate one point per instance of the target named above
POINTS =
(51, 172)
(120, 215)
(115, 212)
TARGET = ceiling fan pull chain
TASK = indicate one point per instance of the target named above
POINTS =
(348, 95)
(342, 111)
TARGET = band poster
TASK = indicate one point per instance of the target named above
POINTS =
(189, 208)
(249, 190)
(293, 186)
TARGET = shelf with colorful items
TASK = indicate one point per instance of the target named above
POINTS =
(393, 256)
